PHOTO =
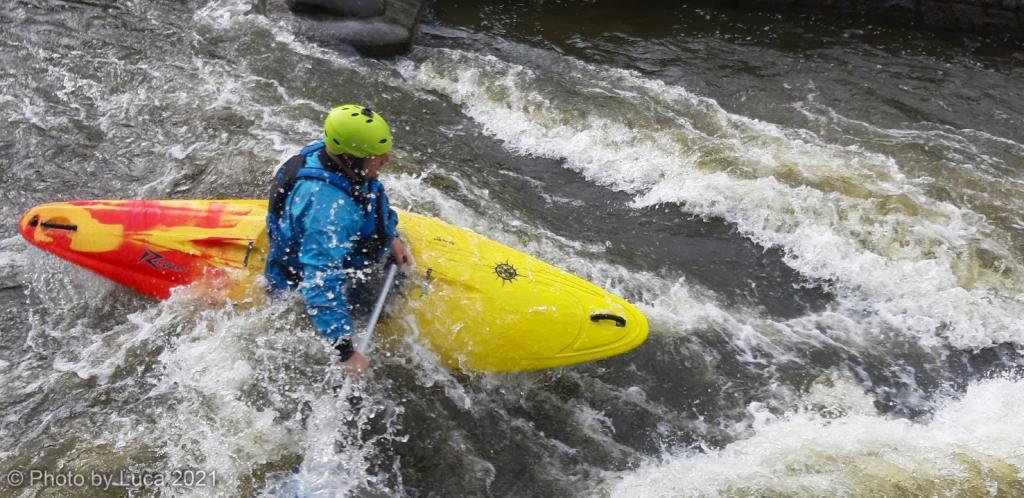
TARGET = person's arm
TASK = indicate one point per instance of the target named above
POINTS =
(330, 222)
(399, 252)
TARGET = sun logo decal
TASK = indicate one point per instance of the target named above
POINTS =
(506, 272)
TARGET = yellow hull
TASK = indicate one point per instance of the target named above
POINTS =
(480, 305)
(485, 306)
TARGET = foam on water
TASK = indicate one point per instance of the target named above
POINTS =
(202, 361)
(240, 390)
(900, 261)
(838, 446)
(672, 305)
(12, 260)
(194, 382)
(191, 383)
(842, 214)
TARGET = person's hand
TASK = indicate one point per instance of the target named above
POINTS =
(356, 366)
(400, 254)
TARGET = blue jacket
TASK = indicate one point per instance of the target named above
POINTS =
(321, 229)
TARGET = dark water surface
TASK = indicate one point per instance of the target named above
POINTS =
(821, 220)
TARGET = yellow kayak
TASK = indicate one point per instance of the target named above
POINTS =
(480, 305)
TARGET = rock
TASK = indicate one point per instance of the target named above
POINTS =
(343, 8)
(386, 34)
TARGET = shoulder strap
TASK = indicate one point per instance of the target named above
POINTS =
(290, 172)
(283, 182)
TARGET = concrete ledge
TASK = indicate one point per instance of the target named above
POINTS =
(977, 16)
(388, 33)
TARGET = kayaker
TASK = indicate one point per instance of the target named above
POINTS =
(329, 223)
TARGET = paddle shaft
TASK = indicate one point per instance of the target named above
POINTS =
(363, 343)
(378, 308)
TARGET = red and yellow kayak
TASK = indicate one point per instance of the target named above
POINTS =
(480, 305)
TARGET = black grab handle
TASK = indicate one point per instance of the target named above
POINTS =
(619, 321)
(34, 222)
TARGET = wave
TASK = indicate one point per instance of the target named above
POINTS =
(899, 259)
(839, 446)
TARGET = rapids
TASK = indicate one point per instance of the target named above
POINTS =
(822, 223)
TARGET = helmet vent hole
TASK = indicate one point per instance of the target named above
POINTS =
(383, 141)
(336, 142)
(354, 114)
(369, 120)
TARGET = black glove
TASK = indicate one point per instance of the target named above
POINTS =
(344, 348)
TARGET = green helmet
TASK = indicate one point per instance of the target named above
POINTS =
(356, 130)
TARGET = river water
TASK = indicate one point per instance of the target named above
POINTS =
(822, 223)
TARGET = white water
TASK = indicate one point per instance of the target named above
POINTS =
(901, 262)
(220, 389)
(899, 259)
(216, 388)
(839, 446)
